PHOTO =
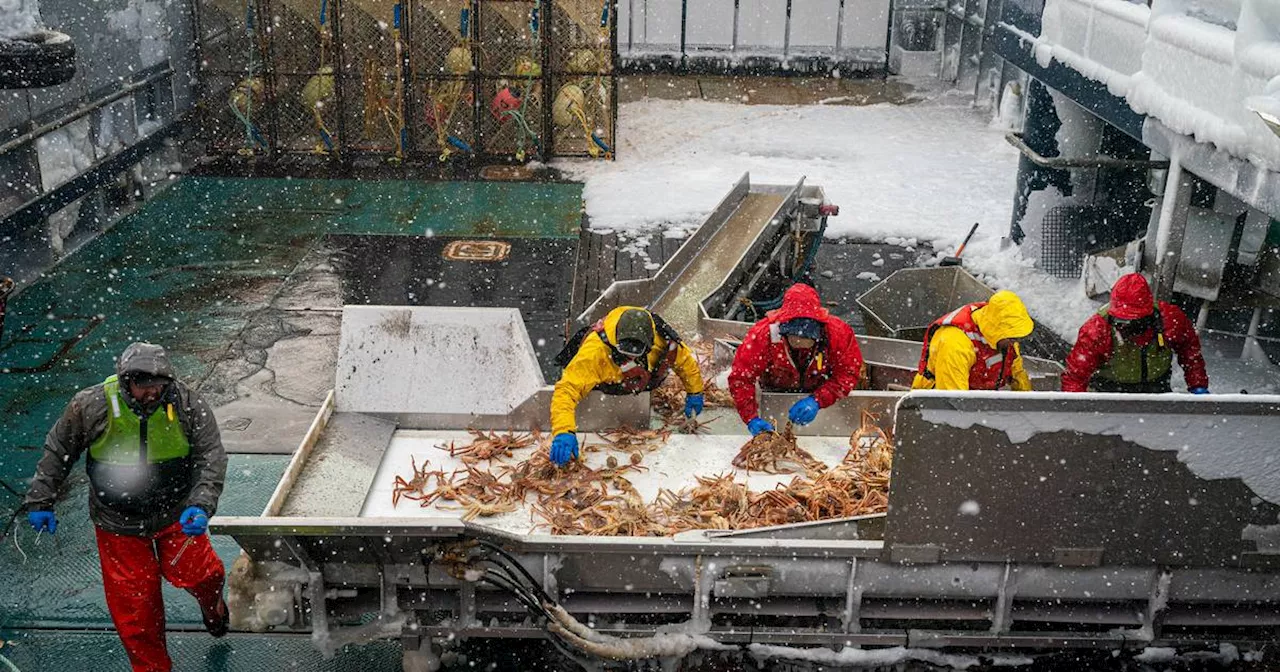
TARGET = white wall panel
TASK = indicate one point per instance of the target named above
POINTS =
(813, 23)
(710, 23)
(762, 24)
(659, 24)
(866, 24)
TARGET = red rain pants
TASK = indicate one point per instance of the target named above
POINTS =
(131, 571)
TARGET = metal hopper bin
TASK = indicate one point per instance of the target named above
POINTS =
(905, 303)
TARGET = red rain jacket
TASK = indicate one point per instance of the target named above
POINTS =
(1131, 298)
(764, 356)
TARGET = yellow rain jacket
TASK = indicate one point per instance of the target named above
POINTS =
(960, 350)
(593, 366)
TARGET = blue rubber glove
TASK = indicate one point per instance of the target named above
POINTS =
(759, 425)
(564, 448)
(195, 521)
(1199, 390)
(804, 411)
(43, 520)
(693, 404)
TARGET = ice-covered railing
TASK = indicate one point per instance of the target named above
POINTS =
(1201, 73)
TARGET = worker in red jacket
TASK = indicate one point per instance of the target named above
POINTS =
(1128, 346)
(800, 347)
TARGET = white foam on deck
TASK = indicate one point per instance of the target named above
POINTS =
(674, 466)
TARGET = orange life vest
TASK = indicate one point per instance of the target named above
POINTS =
(991, 370)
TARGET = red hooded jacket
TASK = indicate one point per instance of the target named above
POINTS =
(764, 356)
(1131, 298)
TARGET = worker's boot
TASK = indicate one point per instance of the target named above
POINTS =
(219, 621)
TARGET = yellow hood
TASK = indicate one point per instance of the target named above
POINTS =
(1003, 317)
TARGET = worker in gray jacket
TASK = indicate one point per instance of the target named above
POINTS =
(156, 468)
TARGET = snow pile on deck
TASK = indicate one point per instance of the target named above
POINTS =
(927, 170)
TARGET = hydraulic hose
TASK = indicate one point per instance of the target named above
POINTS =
(9, 664)
(761, 307)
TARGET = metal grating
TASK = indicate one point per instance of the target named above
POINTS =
(1065, 234)
(426, 81)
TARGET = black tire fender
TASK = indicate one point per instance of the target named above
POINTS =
(43, 58)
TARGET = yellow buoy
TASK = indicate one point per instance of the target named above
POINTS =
(568, 98)
(527, 67)
(581, 61)
(319, 89)
(247, 95)
(458, 61)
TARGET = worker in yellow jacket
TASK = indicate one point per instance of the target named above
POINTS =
(628, 352)
(975, 347)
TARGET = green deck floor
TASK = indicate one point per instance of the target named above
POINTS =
(42, 650)
(187, 271)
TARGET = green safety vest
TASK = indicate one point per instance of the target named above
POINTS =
(138, 467)
(1134, 364)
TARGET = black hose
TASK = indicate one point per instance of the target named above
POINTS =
(533, 583)
(10, 488)
(500, 572)
(529, 604)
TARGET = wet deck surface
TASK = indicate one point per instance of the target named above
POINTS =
(239, 279)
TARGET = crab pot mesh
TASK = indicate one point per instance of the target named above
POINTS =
(580, 44)
(508, 45)
(225, 40)
(581, 62)
(437, 47)
(581, 116)
(301, 128)
(234, 114)
(372, 89)
(511, 121)
(300, 62)
(233, 103)
(483, 79)
(446, 117)
(441, 115)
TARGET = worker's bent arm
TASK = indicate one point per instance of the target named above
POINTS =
(63, 445)
(846, 368)
(687, 369)
(1093, 346)
(749, 363)
(579, 377)
(209, 459)
(951, 357)
(1019, 380)
(1181, 334)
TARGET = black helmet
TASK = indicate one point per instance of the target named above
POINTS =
(634, 332)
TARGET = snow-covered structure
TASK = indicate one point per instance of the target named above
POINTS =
(67, 151)
(1151, 121)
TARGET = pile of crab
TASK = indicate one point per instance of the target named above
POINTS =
(580, 500)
